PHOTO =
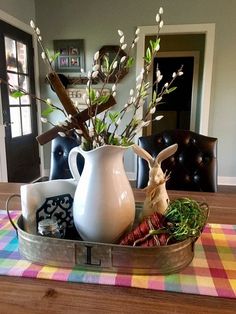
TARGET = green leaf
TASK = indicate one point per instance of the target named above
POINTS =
(156, 44)
(113, 140)
(129, 62)
(148, 56)
(52, 57)
(92, 95)
(125, 141)
(17, 94)
(144, 94)
(134, 122)
(154, 96)
(114, 116)
(168, 91)
(151, 43)
(47, 111)
(150, 105)
(100, 126)
(102, 99)
(55, 56)
(110, 139)
(146, 85)
(105, 64)
(143, 91)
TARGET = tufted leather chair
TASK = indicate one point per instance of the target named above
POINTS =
(60, 149)
(193, 167)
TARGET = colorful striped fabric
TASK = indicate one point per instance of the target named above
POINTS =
(212, 271)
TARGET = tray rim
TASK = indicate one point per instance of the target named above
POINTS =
(75, 241)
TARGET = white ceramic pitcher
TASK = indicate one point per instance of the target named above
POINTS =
(104, 206)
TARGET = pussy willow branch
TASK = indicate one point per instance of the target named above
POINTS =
(118, 74)
(18, 88)
(147, 67)
(43, 50)
(163, 91)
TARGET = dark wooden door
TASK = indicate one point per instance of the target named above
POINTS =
(19, 114)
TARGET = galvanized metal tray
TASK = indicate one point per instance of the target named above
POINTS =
(105, 257)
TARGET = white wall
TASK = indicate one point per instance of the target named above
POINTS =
(24, 10)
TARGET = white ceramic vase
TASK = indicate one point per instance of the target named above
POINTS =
(104, 206)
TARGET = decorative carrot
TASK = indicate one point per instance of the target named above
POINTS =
(140, 235)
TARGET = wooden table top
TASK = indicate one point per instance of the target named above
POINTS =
(24, 295)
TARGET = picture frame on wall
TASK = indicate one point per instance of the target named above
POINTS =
(71, 58)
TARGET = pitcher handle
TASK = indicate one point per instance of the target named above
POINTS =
(72, 161)
(8, 211)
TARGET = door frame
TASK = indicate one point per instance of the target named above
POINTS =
(3, 162)
(209, 31)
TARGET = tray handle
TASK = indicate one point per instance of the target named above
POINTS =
(8, 212)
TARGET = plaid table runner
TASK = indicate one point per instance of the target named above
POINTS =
(212, 271)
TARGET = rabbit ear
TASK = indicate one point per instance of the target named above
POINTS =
(143, 154)
(165, 153)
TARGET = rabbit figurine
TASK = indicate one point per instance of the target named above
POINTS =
(156, 195)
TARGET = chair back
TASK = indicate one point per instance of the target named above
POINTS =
(193, 167)
(60, 149)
